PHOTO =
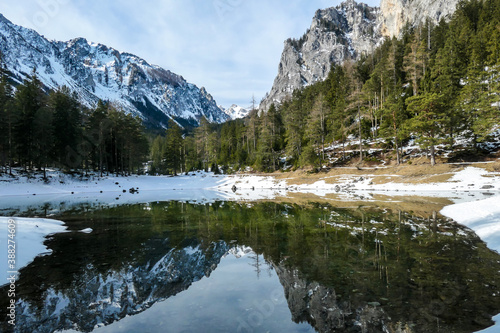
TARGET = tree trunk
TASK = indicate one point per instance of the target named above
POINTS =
(360, 136)
(433, 155)
(398, 158)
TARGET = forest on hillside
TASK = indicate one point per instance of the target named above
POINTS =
(434, 85)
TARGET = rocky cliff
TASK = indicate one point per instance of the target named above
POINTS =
(336, 34)
(95, 71)
(346, 32)
(395, 14)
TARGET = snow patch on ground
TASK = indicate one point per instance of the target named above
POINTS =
(29, 238)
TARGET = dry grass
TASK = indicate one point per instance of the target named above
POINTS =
(417, 173)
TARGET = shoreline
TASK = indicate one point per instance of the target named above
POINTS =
(458, 183)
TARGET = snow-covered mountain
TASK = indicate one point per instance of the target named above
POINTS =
(96, 71)
(96, 298)
(236, 112)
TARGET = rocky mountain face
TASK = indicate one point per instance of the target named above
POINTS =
(346, 32)
(395, 14)
(336, 34)
(95, 71)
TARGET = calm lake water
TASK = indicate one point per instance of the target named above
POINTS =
(257, 267)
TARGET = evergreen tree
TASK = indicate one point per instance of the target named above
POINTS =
(29, 99)
(415, 61)
(394, 114)
(202, 134)
(265, 148)
(158, 152)
(97, 130)
(7, 119)
(136, 144)
(174, 147)
(43, 131)
(66, 124)
(428, 121)
(294, 122)
(315, 133)
(340, 116)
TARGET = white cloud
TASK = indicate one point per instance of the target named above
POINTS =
(232, 47)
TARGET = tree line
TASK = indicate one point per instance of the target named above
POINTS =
(434, 84)
(40, 130)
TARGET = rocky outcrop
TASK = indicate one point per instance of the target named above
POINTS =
(336, 34)
(96, 71)
(395, 14)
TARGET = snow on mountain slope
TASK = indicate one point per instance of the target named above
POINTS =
(236, 112)
(95, 71)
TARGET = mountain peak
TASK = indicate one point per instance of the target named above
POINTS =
(236, 112)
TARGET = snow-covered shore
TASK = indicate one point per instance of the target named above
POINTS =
(27, 242)
(207, 186)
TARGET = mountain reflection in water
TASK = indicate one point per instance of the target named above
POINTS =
(165, 265)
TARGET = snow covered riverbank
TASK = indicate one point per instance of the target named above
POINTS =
(244, 187)
(26, 243)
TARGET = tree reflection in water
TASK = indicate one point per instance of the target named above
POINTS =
(344, 270)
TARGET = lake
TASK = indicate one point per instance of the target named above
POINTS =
(256, 267)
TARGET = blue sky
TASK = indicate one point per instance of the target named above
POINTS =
(231, 47)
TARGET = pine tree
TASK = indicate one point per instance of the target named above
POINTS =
(29, 99)
(340, 116)
(315, 133)
(264, 157)
(43, 131)
(202, 134)
(394, 114)
(294, 118)
(158, 152)
(136, 143)
(66, 124)
(7, 119)
(429, 120)
(97, 131)
(174, 147)
(415, 60)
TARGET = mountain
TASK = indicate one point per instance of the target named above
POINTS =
(336, 34)
(236, 112)
(346, 32)
(96, 71)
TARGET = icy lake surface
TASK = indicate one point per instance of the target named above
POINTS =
(218, 266)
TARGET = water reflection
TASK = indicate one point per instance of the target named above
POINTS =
(344, 270)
